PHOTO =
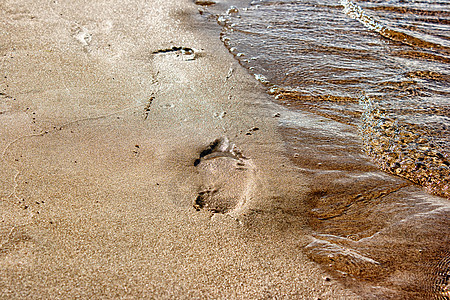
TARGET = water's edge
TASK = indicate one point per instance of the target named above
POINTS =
(382, 235)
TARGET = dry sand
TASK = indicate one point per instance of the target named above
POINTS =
(102, 132)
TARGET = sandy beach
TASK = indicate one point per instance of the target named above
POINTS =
(139, 160)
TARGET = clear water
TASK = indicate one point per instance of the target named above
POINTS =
(322, 56)
(364, 87)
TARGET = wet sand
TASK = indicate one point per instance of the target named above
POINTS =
(110, 187)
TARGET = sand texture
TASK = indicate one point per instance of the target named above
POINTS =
(139, 160)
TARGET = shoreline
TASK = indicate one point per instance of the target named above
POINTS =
(103, 206)
(382, 235)
(141, 160)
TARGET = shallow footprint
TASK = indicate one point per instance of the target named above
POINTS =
(182, 53)
(226, 176)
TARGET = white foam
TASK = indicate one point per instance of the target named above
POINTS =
(261, 78)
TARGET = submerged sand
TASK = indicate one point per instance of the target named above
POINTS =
(105, 108)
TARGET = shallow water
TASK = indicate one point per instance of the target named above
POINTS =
(363, 88)
(322, 56)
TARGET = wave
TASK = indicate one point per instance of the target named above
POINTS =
(356, 12)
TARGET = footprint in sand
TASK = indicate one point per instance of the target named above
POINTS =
(227, 178)
(182, 53)
(82, 35)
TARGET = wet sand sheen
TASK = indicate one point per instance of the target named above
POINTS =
(102, 126)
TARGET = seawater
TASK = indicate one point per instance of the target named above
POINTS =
(364, 87)
(324, 56)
